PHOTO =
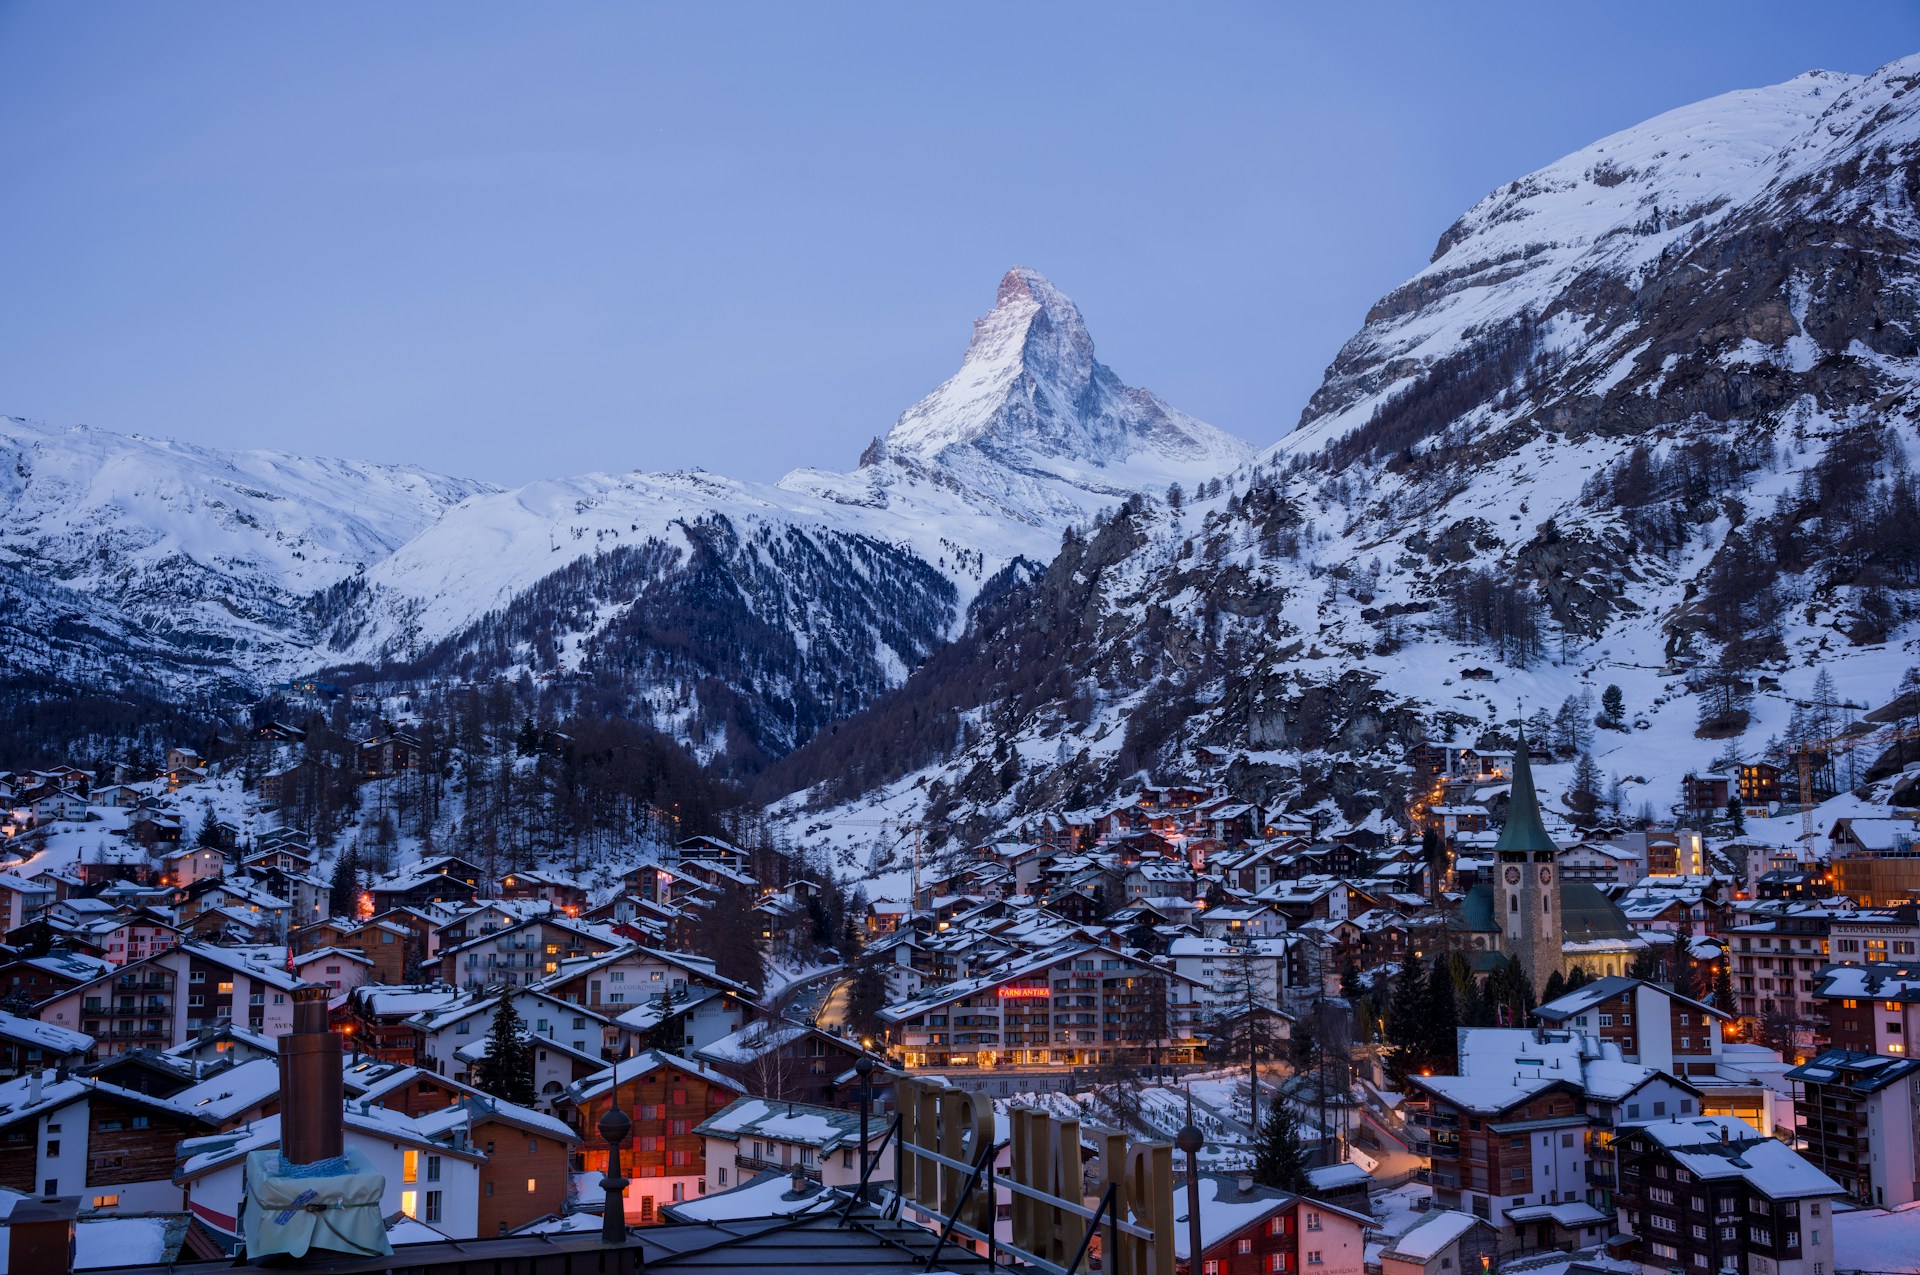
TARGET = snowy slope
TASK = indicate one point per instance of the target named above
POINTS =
(205, 550)
(1645, 420)
(1030, 436)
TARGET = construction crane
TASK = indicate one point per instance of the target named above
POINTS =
(917, 827)
(1805, 752)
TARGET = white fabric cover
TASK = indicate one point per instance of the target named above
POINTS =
(340, 1214)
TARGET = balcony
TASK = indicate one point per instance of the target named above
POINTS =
(756, 1164)
(1434, 1120)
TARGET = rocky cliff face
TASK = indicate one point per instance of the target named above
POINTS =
(1645, 420)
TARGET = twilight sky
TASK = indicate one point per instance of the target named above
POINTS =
(510, 241)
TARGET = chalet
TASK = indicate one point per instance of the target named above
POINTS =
(24, 899)
(626, 978)
(389, 754)
(28, 1045)
(755, 1135)
(183, 867)
(1652, 1025)
(1759, 784)
(667, 1098)
(341, 969)
(38, 979)
(1249, 1228)
(517, 955)
(383, 1020)
(435, 881)
(68, 1135)
(571, 1041)
(163, 999)
(789, 1061)
(560, 892)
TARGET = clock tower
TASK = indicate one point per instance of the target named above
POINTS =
(1527, 883)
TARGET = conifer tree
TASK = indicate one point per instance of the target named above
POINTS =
(1443, 1018)
(343, 891)
(1613, 706)
(1723, 989)
(1556, 987)
(507, 1070)
(1350, 988)
(1406, 1024)
(1280, 1160)
(1736, 815)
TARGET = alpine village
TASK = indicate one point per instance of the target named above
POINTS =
(1472, 832)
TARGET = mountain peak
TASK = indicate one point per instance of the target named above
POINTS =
(1030, 391)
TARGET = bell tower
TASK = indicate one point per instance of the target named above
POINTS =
(1527, 887)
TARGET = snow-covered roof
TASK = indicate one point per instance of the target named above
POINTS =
(113, 1243)
(35, 1034)
(1424, 1240)
(640, 1064)
(233, 1090)
(823, 1128)
(766, 1194)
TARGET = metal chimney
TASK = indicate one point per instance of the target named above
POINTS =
(310, 1083)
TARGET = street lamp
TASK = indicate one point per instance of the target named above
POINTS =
(614, 1128)
(1190, 1140)
(863, 1069)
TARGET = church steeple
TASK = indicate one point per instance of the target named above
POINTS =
(1525, 833)
(1529, 881)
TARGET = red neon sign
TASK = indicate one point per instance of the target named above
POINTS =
(1024, 993)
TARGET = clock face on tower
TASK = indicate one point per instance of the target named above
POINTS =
(1513, 876)
(1546, 875)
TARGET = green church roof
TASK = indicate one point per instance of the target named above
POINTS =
(1524, 831)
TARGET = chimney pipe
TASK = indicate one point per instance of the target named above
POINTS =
(310, 1083)
(33, 1089)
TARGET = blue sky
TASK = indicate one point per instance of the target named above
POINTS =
(508, 241)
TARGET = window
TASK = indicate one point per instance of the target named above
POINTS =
(53, 1149)
(106, 1201)
(1313, 1221)
(1276, 1261)
(1665, 1250)
(410, 1201)
(533, 1184)
(409, 1172)
(1519, 1173)
(1313, 1257)
(1206, 1268)
(433, 1206)
(1243, 1246)
(723, 1182)
(433, 1168)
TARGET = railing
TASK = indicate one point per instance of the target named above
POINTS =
(982, 1171)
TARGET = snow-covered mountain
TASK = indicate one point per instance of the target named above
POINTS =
(1032, 428)
(1646, 419)
(204, 562)
(743, 615)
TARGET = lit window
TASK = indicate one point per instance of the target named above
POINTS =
(106, 1201)
(409, 1171)
(410, 1200)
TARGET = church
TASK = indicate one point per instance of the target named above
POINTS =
(1531, 914)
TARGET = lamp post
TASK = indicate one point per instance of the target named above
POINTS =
(864, 1070)
(614, 1128)
(1190, 1140)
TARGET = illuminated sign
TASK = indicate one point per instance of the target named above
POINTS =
(1024, 993)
